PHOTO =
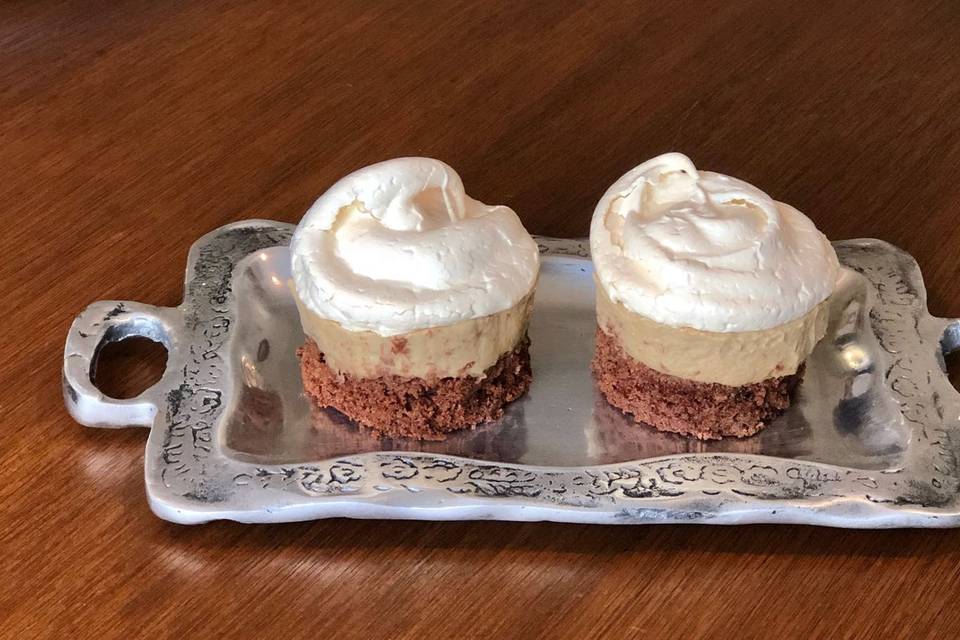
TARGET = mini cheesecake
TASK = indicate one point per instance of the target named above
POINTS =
(710, 298)
(414, 299)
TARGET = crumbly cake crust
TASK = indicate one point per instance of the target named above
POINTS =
(707, 411)
(421, 408)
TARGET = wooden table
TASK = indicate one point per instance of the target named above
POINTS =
(128, 129)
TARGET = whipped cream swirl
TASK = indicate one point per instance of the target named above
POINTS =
(399, 246)
(698, 249)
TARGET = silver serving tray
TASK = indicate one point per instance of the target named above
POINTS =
(871, 441)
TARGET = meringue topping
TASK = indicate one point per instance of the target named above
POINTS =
(399, 246)
(698, 249)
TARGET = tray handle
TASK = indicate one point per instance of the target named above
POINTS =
(98, 325)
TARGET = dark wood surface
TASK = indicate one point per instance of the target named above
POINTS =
(128, 129)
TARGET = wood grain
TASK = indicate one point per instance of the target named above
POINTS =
(130, 128)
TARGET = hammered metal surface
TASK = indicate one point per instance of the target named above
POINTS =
(870, 442)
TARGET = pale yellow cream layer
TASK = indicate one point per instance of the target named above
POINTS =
(732, 359)
(466, 348)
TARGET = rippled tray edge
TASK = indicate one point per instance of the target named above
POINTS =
(190, 480)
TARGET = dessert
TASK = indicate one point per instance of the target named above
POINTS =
(414, 299)
(710, 297)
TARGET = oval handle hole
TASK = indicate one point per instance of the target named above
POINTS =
(126, 368)
(952, 361)
(950, 349)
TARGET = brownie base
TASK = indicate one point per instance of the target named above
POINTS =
(419, 408)
(704, 410)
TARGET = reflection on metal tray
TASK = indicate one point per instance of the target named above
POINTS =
(871, 440)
